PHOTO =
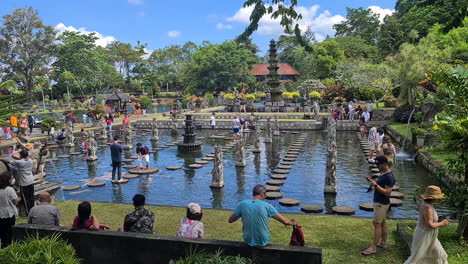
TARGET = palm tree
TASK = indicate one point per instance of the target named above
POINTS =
(68, 78)
(42, 82)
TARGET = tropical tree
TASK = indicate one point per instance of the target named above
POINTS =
(42, 82)
(359, 23)
(125, 56)
(26, 47)
(68, 79)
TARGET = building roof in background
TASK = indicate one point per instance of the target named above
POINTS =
(116, 96)
(284, 69)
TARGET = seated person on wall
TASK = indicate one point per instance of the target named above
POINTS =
(44, 213)
(84, 219)
(255, 214)
(141, 220)
(191, 226)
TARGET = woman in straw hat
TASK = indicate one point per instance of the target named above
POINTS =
(426, 248)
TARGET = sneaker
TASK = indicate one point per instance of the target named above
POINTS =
(372, 160)
(140, 168)
(147, 167)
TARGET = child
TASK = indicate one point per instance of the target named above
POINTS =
(191, 226)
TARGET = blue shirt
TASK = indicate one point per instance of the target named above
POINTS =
(116, 152)
(255, 214)
(388, 180)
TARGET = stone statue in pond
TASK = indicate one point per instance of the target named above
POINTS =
(70, 139)
(268, 133)
(277, 127)
(240, 151)
(217, 173)
(102, 127)
(252, 121)
(330, 178)
(257, 148)
(316, 111)
(174, 125)
(44, 154)
(127, 139)
(154, 130)
(91, 142)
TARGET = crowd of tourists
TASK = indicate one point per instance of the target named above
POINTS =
(352, 111)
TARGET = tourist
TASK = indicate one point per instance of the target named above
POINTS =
(143, 153)
(388, 150)
(141, 220)
(23, 123)
(242, 106)
(359, 110)
(69, 120)
(14, 124)
(109, 122)
(380, 136)
(24, 178)
(369, 107)
(143, 108)
(191, 226)
(366, 116)
(90, 116)
(362, 127)
(7, 129)
(62, 136)
(85, 118)
(137, 109)
(31, 123)
(2, 135)
(8, 210)
(340, 111)
(84, 219)
(44, 213)
(373, 142)
(52, 133)
(255, 214)
(116, 155)
(212, 123)
(236, 126)
(382, 190)
(126, 123)
(351, 108)
(426, 248)
(84, 134)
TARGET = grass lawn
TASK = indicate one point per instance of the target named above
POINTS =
(381, 106)
(402, 128)
(441, 156)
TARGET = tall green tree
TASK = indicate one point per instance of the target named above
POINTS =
(390, 36)
(357, 48)
(359, 23)
(125, 57)
(327, 56)
(26, 47)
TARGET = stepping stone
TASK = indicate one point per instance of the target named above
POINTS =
(294, 132)
(274, 195)
(174, 168)
(395, 202)
(312, 208)
(375, 170)
(170, 144)
(163, 147)
(208, 158)
(158, 149)
(295, 149)
(152, 151)
(293, 153)
(343, 210)
(63, 156)
(210, 155)
(280, 171)
(127, 160)
(131, 176)
(121, 181)
(289, 202)
(275, 182)
(129, 166)
(96, 184)
(289, 159)
(271, 188)
(290, 156)
(397, 195)
(75, 153)
(133, 157)
(202, 162)
(54, 159)
(144, 171)
(396, 188)
(278, 176)
(195, 166)
(284, 167)
(286, 163)
(367, 206)
(71, 187)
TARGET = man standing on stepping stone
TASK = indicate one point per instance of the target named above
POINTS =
(255, 214)
(116, 155)
(143, 153)
(382, 190)
(212, 123)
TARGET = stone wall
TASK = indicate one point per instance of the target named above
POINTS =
(382, 114)
(123, 247)
(428, 162)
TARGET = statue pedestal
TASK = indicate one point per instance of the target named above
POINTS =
(128, 147)
(241, 164)
(93, 158)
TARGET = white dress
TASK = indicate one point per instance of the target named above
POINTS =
(426, 248)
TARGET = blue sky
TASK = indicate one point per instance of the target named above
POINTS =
(161, 23)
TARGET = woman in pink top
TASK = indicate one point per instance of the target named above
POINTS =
(84, 219)
(7, 130)
(125, 123)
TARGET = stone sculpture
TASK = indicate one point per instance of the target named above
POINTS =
(127, 139)
(43, 156)
(330, 178)
(102, 128)
(91, 142)
(154, 130)
(240, 152)
(257, 148)
(268, 136)
(276, 132)
(253, 121)
(217, 171)
(316, 111)
(174, 124)
(70, 139)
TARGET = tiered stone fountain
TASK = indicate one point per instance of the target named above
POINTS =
(189, 144)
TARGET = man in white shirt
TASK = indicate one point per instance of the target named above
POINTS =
(369, 109)
(366, 116)
(212, 123)
(351, 110)
(373, 142)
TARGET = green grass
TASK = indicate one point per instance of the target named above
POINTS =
(381, 106)
(402, 128)
(441, 156)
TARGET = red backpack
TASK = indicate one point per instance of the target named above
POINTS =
(297, 237)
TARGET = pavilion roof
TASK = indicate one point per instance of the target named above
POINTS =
(117, 96)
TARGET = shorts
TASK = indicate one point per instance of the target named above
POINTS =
(15, 129)
(362, 128)
(212, 128)
(380, 212)
(235, 130)
(372, 146)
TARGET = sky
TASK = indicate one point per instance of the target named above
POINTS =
(161, 23)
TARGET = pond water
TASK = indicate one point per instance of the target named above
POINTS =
(305, 180)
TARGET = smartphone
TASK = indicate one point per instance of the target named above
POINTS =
(441, 218)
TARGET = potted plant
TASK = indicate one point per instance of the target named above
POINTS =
(315, 96)
(420, 135)
(250, 98)
(230, 98)
(287, 97)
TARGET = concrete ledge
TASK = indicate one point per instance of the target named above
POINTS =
(406, 233)
(123, 247)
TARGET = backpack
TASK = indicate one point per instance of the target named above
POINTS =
(297, 237)
(147, 150)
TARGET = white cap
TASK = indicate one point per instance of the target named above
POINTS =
(194, 208)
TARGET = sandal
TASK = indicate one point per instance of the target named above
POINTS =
(367, 252)
(382, 245)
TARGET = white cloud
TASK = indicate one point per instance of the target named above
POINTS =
(223, 26)
(173, 33)
(382, 12)
(320, 23)
(136, 2)
(102, 40)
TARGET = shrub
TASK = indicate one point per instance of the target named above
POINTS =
(145, 102)
(334, 91)
(402, 113)
(48, 123)
(40, 250)
(209, 97)
(419, 131)
(200, 258)
(295, 94)
(229, 96)
(315, 94)
(287, 95)
(250, 97)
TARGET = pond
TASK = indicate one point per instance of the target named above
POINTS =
(305, 180)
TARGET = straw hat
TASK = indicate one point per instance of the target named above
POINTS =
(433, 192)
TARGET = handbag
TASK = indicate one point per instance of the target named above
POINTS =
(297, 237)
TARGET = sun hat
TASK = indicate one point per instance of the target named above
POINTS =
(194, 208)
(433, 192)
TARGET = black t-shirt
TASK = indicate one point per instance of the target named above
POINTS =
(388, 180)
(142, 151)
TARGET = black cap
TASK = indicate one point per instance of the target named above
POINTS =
(381, 160)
